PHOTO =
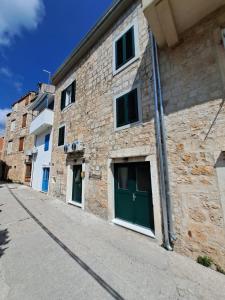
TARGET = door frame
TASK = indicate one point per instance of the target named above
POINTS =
(69, 188)
(157, 234)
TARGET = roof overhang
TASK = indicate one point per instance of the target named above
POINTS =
(110, 17)
(169, 18)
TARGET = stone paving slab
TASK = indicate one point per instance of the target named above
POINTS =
(35, 266)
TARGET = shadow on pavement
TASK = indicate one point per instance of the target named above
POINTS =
(4, 240)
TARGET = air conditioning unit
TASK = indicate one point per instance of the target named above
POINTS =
(77, 146)
(66, 148)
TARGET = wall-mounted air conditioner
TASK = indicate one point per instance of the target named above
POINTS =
(77, 146)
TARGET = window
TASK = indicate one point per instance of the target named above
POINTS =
(68, 95)
(123, 178)
(13, 125)
(9, 147)
(127, 109)
(47, 139)
(61, 137)
(21, 144)
(24, 121)
(125, 49)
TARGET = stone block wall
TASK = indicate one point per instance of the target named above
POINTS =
(193, 90)
(91, 118)
(15, 161)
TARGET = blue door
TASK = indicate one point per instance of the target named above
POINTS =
(45, 180)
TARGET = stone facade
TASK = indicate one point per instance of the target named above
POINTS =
(91, 119)
(2, 140)
(16, 160)
(193, 89)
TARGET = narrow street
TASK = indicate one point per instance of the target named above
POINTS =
(50, 250)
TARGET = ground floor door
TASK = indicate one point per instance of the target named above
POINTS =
(45, 180)
(77, 184)
(133, 194)
(28, 172)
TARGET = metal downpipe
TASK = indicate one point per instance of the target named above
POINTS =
(162, 187)
(172, 235)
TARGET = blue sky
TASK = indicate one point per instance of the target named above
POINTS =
(37, 35)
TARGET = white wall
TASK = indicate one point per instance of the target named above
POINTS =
(42, 159)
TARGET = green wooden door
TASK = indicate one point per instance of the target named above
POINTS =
(77, 184)
(133, 194)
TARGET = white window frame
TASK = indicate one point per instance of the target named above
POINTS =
(139, 108)
(136, 46)
(62, 125)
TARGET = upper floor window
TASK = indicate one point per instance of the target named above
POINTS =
(21, 144)
(13, 125)
(9, 147)
(127, 109)
(126, 48)
(61, 136)
(47, 140)
(24, 121)
(68, 95)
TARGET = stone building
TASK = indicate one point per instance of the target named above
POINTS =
(105, 156)
(2, 140)
(18, 141)
(190, 35)
(104, 118)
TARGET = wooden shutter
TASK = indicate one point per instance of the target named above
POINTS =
(24, 121)
(61, 136)
(21, 144)
(63, 99)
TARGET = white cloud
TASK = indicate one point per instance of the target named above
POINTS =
(5, 72)
(3, 113)
(17, 15)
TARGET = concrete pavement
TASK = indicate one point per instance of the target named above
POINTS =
(50, 250)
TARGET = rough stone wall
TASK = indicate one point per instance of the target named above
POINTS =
(194, 92)
(16, 160)
(1, 147)
(91, 119)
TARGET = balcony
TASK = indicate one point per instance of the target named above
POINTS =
(42, 122)
(168, 19)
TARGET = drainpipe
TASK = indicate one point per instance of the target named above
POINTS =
(169, 236)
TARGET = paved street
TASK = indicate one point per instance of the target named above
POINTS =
(49, 250)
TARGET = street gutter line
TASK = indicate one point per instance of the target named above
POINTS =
(82, 264)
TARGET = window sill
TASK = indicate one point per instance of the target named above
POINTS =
(122, 68)
(67, 107)
(128, 126)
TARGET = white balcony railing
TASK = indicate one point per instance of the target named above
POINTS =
(42, 122)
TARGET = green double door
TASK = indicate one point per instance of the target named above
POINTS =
(133, 194)
(77, 184)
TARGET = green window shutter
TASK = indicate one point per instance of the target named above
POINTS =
(125, 48)
(133, 107)
(121, 111)
(119, 53)
(127, 109)
(130, 48)
(63, 99)
(73, 96)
